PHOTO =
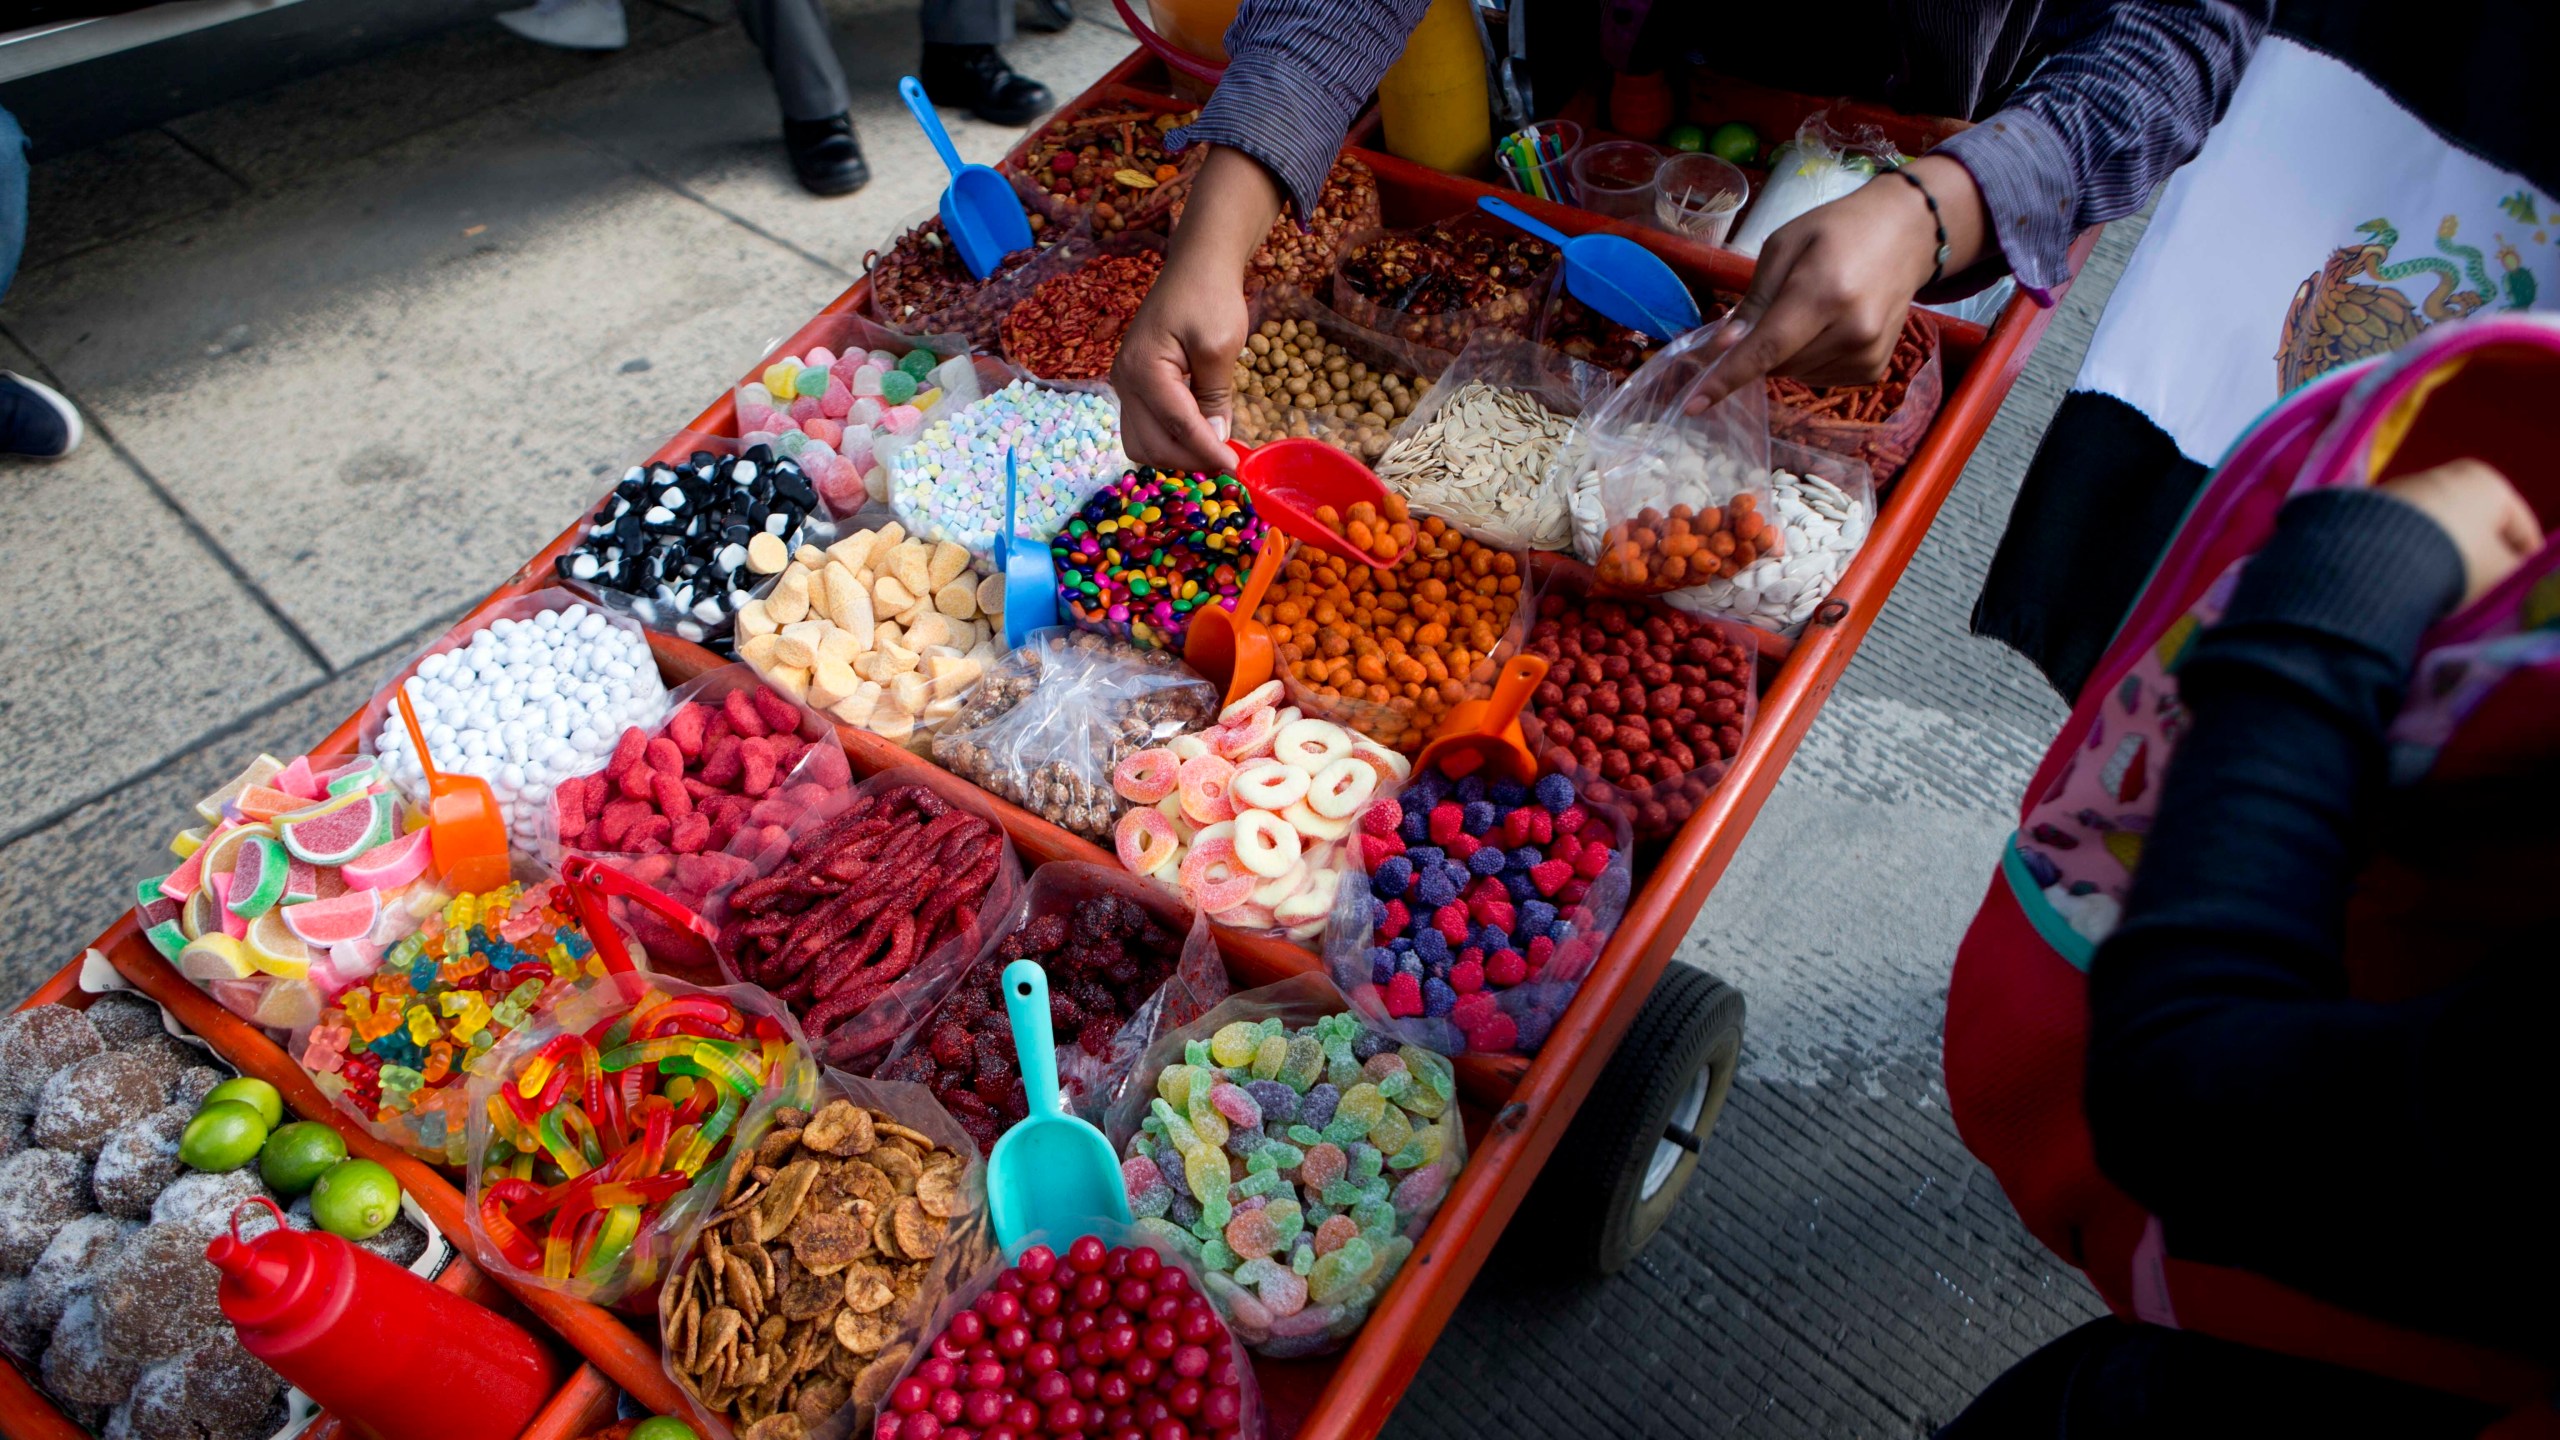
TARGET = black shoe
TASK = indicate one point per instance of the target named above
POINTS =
(36, 423)
(976, 79)
(1048, 17)
(825, 155)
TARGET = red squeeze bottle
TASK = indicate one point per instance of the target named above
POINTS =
(372, 1342)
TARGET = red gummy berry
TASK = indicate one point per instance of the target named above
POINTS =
(649, 835)
(1461, 765)
(1374, 849)
(1542, 825)
(1572, 892)
(1392, 919)
(1472, 1010)
(1570, 819)
(1592, 860)
(1496, 913)
(1542, 948)
(1510, 967)
(1550, 876)
(1495, 1034)
(742, 716)
(686, 727)
(1515, 828)
(1472, 955)
(1467, 976)
(1451, 921)
(1446, 818)
(1404, 996)
(1381, 818)
(1462, 846)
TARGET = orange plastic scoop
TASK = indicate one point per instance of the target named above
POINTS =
(1229, 647)
(1485, 734)
(466, 832)
(1292, 479)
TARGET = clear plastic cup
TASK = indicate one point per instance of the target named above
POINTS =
(1699, 196)
(1615, 177)
(1554, 143)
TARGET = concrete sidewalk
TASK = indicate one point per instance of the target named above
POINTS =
(353, 347)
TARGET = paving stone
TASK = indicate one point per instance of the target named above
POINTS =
(79, 201)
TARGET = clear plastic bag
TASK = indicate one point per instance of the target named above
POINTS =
(1046, 727)
(617, 1252)
(519, 774)
(1817, 167)
(1096, 1047)
(920, 288)
(1367, 964)
(1667, 490)
(1486, 467)
(1823, 505)
(1439, 285)
(1001, 1277)
(1876, 425)
(1578, 332)
(843, 435)
(744, 769)
(1581, 721)
(838, 1392)
(1068, 326)
(1308, 372)
(871, 908)
(1276, 1307)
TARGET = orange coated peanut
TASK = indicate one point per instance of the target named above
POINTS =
(1657, 551)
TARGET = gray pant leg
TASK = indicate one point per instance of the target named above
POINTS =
(807, 78)
(968, 22)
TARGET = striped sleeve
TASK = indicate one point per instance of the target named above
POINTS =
(2125, 98)
(1297, 72)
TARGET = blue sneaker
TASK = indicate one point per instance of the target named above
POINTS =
(36, 423)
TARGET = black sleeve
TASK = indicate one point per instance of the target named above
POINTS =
(2377, 1155)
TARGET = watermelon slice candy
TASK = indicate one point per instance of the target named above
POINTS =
(296, 778)
(391, 865)
(258, 877)
(336, 831)
(349, 917)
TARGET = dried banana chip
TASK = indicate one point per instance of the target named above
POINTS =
(782, 1425)
(820, 1398)
(826, 1241)
(924, 1144)
(782, 1199)
(919, 1235)
(840, 1128)
(808, 1294)
(776, 1147)
(938, 1191)
(864, 1334)
(871, 1384)
(863, 1181)
(867, 1288)
(899, 1161)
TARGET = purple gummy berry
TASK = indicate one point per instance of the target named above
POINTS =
(1416, 826)
(1479, 816)
(1432, 946)
(1521, 859)
(1382, 965)
(1317, 1109)
(1279, 1103)
(1555, 792)
(1426, 858)
(1507, 794)
(1457, 873)
(1534, 1023)
(1370, 1043)
(1488, 938)
(1487, 861)
(1394, 876)
(1182, 1210)
(1402, 944)
(1537, 917)
(1470, 791)
(1437, 998)
(1409, 964)
(1424, 791)
(1436, 889)
(1519, 884)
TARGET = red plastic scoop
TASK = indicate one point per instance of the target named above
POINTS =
(590, 881)
(1291, 479)
(466, 832)
(1485, 734)
(1230, 647)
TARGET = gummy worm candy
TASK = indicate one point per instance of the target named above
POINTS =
(495, 1200)
(611, 1241)
(701, 1007)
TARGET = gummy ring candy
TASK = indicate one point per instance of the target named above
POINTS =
(1247, 737)
(1249, 916)
(1145, 840)
(1313, 826)
(1267, 784)
(1315, 902)
(1146, 776)
(1264, 696)
(1280, 887)
(1223, 830)
(1341, 788)
(1205, 781)
(1190, 745)
(1310, 745)
(1392, 768)
(1213, 879)
(1265, 844)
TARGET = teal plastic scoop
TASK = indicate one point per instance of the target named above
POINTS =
(1051, 1173)
(1613, 275)
(1030, 575)
(979, 209)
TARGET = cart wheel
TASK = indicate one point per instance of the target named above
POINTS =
(1631, 1149)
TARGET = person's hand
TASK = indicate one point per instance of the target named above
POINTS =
(1827, 301)
(1176, 370)
(2488, 522)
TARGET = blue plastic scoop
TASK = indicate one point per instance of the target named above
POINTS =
(1051, 1173)
(1030, 575)
(1612, 274)
(979, 209)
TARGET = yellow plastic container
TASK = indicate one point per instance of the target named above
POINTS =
(1433, 102)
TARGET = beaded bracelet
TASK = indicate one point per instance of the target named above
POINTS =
(1937, 271)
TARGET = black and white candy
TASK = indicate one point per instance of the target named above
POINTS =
(675, 539)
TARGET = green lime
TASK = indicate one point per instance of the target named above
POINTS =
(355, 1199)
(1685, 137)
(1734, 141)
(298, 1155)
(662, 1427)
(224, 1135)
(248, 1090)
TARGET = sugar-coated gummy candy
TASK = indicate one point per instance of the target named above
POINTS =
(1235, 1044)
(1278, 1103)
(1317, 1111)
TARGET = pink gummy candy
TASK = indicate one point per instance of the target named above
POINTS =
(818, 358)
(1336, 1232)
(1253, 1234)
(1141, 1178)
(866, 410)
(866, 381)
(1421, 1189)
(903, 419)
(804, 408)
(1241, 1110)
(1325, 1163)
(826, 432)
(837, 401)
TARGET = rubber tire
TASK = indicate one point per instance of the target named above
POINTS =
(1586, 1215)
